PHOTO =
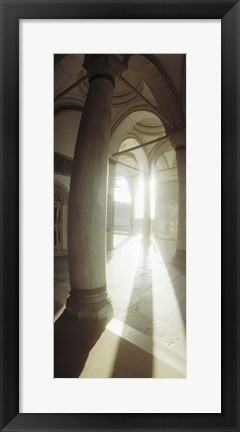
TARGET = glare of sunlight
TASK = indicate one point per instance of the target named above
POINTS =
(166, 341)
(139, 200)
(121, 192)
(152, 192)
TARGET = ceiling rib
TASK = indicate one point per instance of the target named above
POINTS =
(156, 140)
(71, 87)
(67, 90)
(128, 166)
(140, 146)
(147, 101)
(166, 169)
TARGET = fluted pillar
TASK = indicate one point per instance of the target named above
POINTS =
(88, 193)
(179, 143)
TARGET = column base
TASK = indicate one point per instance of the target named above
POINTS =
(92, 304)
(179, 258)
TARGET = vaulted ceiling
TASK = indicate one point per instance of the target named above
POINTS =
(149, 104)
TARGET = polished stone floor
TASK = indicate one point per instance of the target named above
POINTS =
(148, 295)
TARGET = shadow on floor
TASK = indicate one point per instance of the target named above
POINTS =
(167, 248)
(179, 286)
(73, 340)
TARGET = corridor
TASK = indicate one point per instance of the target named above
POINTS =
(146, 336)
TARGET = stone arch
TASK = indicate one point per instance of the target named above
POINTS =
(170, 111)
(60, 188)
(123, 128)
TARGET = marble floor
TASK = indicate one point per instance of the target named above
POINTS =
(148, 296)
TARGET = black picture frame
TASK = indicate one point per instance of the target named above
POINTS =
(11, 12)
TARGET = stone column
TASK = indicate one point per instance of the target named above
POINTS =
(147, 207)
(88, 193)
(179, 143)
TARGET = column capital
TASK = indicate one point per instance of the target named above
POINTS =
(105, 65)
(178, 140)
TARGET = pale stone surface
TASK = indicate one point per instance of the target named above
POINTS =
(87, 198)
(120, 358)
(147, 292)
(88, 188)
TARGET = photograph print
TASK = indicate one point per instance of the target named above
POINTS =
(119, 216)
